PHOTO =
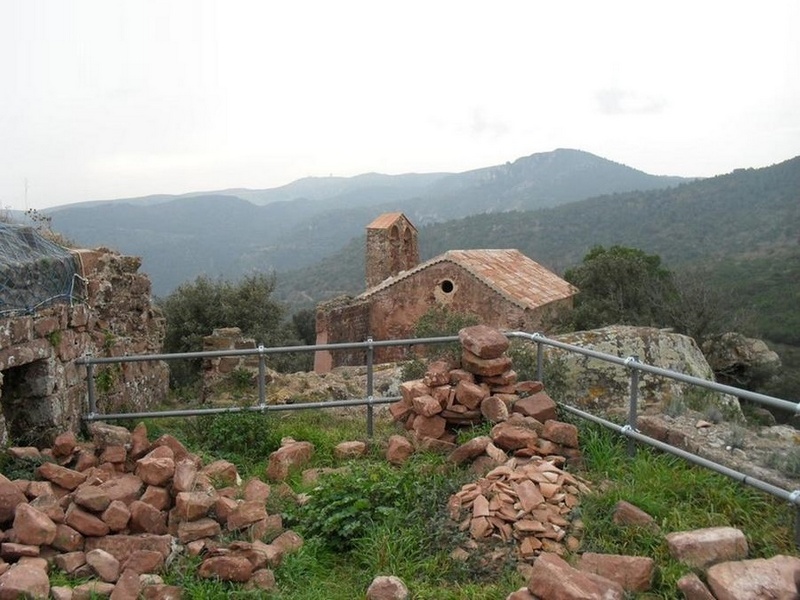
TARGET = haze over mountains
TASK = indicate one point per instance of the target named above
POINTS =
(232, 232)
(737, 233)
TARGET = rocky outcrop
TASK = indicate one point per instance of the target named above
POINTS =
(603, 387)
(741, 361)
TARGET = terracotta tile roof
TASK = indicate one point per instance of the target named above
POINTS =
(386, 220)
(510, 273)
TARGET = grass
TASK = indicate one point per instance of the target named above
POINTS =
(680, 497)
(377, 519)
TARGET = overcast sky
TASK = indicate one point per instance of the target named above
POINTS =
(110, 98)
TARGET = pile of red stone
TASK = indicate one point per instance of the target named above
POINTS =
(483, 387)
(525, 501)
(525, 496)
(119, 508)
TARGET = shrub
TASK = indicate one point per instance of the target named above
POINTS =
(440, 321)
(249, 436)
(346, 507)
(21, 468)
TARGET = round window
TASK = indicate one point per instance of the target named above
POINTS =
(447, 286)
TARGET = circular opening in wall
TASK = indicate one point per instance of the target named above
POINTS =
(447, 286)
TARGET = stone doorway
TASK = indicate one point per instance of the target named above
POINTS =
(25, 391)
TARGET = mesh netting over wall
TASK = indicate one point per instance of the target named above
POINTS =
(34, 272)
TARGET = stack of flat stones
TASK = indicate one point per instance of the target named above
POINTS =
(484, 387)
(524, 501)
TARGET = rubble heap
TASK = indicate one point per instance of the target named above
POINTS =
(527, 504)
(524, 498)
(483, 387)
(119, 508)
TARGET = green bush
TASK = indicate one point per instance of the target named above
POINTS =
(440, 321)
(249, 437)
(21, 468)
(195, 309)
(346, 507)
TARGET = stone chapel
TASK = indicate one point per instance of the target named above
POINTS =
(503, 288)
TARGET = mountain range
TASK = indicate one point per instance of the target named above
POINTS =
(228, 233)
(737, 232)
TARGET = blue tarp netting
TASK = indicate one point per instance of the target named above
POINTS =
(34, 272)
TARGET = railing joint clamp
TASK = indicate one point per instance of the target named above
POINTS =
(261, 349)
(627, 429)
(794, 497)
(631, 359)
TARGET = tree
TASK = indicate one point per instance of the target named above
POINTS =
(697, 309)
(195, 309)
(304, 323)
(619, 285)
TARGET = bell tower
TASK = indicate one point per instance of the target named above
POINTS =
(391, 247)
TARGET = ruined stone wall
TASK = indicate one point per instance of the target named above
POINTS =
(341, 320)
(218, 368)
(42, 389)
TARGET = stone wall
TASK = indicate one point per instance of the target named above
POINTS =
(340, 320)
(396, 310)
(391, 313)
(42, 389)
(218, 368)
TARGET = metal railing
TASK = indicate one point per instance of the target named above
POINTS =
(262, 352)
(635, 366)
(629, 430)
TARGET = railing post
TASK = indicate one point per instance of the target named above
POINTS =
(370, 383)
(634, 401)
(539, 362)
(262, 377)
(90, 386)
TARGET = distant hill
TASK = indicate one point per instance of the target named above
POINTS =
(232, 232)
(742, 228)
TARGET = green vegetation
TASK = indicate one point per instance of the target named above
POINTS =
(107, 377)
(626, 286)
(195, 309)
(618, 285)
(679, 497)
(55, 337)
(21, 468)
(438, 321)
(373, 518)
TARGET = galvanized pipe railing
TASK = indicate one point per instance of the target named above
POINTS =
(369, 401)
(631, 432)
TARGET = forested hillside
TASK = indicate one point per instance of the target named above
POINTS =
(729, 219)
(227, 234)
(740, 233)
